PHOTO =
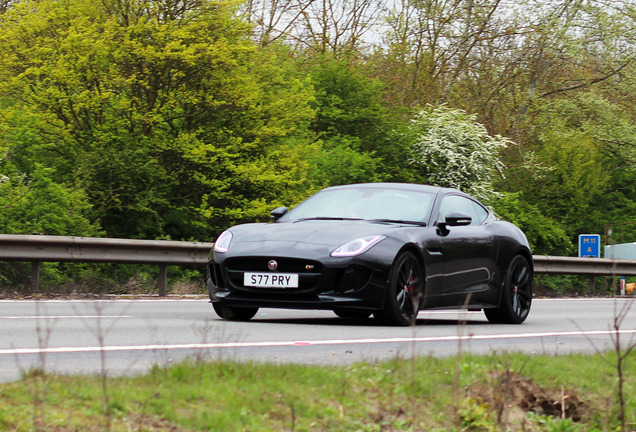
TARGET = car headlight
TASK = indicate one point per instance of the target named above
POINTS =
(357, 246)
(222, 243)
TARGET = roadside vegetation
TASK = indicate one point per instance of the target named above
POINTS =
(163, 119)
(173, 120)
(498, 392)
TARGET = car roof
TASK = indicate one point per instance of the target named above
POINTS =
(402, 186)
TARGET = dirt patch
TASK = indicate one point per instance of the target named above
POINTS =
(511, 396)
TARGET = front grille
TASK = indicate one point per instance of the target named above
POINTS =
(285, 265)
(309, 271)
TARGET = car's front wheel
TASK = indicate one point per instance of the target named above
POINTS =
(516, 296)
(405, 289)
(232, 313)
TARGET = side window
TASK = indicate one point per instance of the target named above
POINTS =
(459, 204)
(482, 213)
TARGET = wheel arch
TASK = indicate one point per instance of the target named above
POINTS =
(400, 291)
(417, 252)
(527, 255)
(504, 266)
(507, 253)
(505, 312)
(411, 247)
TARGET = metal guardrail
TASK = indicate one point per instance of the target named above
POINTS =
(590, 267)
(88, 249)
(583, 266)
(44, 248)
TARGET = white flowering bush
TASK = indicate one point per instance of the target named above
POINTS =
(451, 149)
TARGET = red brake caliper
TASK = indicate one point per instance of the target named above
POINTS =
(409, 284)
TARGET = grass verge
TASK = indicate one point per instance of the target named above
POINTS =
(499, 392)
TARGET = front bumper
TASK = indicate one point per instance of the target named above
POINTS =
(352, 284)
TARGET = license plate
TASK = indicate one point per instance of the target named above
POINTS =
(270, 280)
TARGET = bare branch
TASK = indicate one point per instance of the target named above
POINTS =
(592, 81)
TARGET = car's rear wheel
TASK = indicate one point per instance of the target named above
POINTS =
(405, 289)
(516, 297)
(352, 313)
(233, 313)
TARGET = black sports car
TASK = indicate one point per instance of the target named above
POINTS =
(385, 249)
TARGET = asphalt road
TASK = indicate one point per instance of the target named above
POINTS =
(129, 336)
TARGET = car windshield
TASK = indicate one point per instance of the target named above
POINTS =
(382, 204)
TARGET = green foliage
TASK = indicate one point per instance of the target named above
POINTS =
(348, 104)
(35, 204)
(545, 235)
(618, 206)
(354, 126)
(477, 416)
(33, 200)
(551, 424)
(339, 163)
(577, 173)
(161, 115)
(573, 173)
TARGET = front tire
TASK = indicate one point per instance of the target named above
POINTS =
(232, 313)
(404, 291)
(516, 297)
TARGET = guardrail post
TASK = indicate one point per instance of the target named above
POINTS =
(591, 285)
(35, 275)
(163, 280)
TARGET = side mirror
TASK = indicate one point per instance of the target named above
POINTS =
(458, 219)
(453, 219)
(278, 213)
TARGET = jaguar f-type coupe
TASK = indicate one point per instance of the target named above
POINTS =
(385, 249)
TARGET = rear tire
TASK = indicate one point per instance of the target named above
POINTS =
(232, 313)
(404, 291)
(516, 295)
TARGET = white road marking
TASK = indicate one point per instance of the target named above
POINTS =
(205, 299)
(157, 347)
(118, 300)
(56, 317)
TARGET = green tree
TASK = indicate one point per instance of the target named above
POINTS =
(545, 235)
(35, 204)
(165, 114)
(32, 201)
(348, 103)
(354, 126)
(567, 170)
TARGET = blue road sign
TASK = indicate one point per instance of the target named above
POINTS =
(589, 246)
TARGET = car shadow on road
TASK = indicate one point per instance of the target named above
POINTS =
(369, 322)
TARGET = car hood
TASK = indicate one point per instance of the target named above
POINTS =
(326, 233)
